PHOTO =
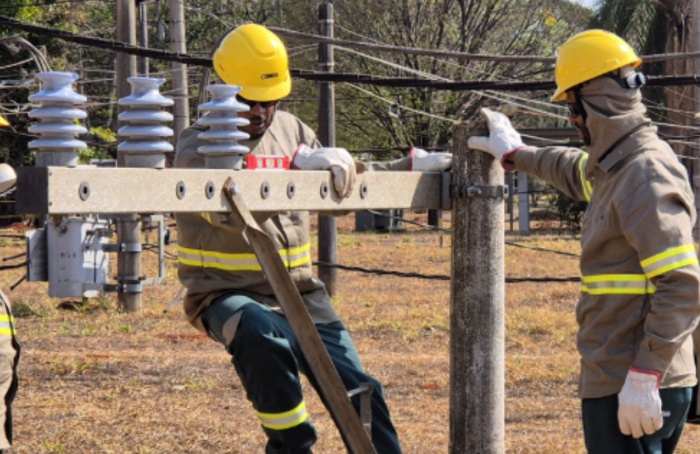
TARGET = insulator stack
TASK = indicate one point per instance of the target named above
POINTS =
(223, 151)
(57, 145)
(142, 139)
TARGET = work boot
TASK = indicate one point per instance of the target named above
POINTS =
(273, 447)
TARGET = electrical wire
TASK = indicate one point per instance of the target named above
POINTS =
(338, 77)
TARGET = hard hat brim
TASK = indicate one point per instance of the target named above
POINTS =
(559, 95)
(275, 93)
(3, 121)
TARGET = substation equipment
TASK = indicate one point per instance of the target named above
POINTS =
(79, 204)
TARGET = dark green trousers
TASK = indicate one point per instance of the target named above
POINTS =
(602, 431)
(268, 360)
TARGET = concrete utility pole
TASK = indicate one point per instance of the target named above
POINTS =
(327, 227)
(477, 320)
(178, 43)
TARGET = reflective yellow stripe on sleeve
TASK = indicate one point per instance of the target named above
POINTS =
(669, 260)
(7, 325)
(585, 184)
(616, 284)
(285, 420)
(240, 262)
(296, 256)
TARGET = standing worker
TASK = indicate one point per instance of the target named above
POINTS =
(640, 281)
(229, 297)
(9, 347)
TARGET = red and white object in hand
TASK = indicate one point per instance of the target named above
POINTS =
(267, 162)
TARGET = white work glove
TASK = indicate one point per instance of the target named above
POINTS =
(337, 160)
(8, 178)
(503, 138)
(639, 410)
(422, 161)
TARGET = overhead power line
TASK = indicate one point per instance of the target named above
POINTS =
(118, 46)
(453, 54)
(411, 50)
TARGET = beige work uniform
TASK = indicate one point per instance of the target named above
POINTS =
(9, 357)
(214, 260)
(640, 290)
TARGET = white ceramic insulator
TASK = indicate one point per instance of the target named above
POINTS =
(57, 117)
(143, 138)
(223, 149)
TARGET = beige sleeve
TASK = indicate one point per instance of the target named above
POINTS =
(8, 354)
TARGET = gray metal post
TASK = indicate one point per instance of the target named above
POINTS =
(142, 62)
(523, 202)
(477, 325)
(510, 183)
(178, 43)
(142, 144)
(125, 64)
(129, 263)
(327, 227)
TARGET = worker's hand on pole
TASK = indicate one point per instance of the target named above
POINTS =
(337, 160)
(503, 139)
(437, 161)
(639, 410)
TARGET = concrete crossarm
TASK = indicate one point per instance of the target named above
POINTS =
(88, 190)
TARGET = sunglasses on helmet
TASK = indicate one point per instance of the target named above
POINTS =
(251, 104)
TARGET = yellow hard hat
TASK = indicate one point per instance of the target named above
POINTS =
(4, 122)
(254, 58)
(588, 55)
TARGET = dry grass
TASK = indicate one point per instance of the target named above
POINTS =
(94, 380)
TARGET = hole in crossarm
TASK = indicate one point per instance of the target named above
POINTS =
(180, 189)
(210, 189)
(84, 191)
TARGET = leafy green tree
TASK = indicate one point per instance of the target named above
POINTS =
(367, 115)
(377, 116)
(656, 27)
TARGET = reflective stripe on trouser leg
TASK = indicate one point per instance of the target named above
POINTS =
(285, 419)
(267, 368)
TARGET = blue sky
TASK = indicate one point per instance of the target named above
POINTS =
(588, 3)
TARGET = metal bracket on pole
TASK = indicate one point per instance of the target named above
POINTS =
(289, 299)
(446, 191)
(122, 247)
(475, 190)
(365, 391)
(126, 286)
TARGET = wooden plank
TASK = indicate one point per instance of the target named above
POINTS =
(288, 297)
